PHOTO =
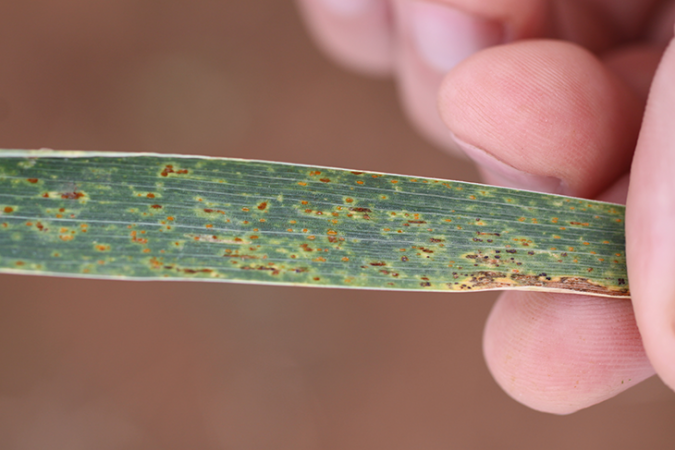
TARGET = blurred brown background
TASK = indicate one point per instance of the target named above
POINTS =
(114, 365)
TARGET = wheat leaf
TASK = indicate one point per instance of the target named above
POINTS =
(147, 216)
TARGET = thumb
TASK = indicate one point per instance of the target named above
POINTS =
(650, 223)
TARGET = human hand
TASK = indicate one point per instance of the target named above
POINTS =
(558, 116)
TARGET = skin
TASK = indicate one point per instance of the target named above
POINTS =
(572, 97)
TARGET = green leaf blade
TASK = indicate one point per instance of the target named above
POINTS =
(143, 216)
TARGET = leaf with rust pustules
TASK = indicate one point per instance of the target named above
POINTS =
(172, 217)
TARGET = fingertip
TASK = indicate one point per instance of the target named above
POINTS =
(547, 109)
(356, 34)
(562, 353)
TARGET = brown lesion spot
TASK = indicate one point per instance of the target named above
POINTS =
(74, 195)
(500, 280)
(195, 271)
(168, 169)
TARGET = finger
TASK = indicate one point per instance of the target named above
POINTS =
(650, 216)
(355, 33)
(549, 116)
(543, 115)
(594, 340)
(562, 353)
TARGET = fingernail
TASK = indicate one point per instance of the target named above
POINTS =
(444, 36)
(348, 7)
(498, 172)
